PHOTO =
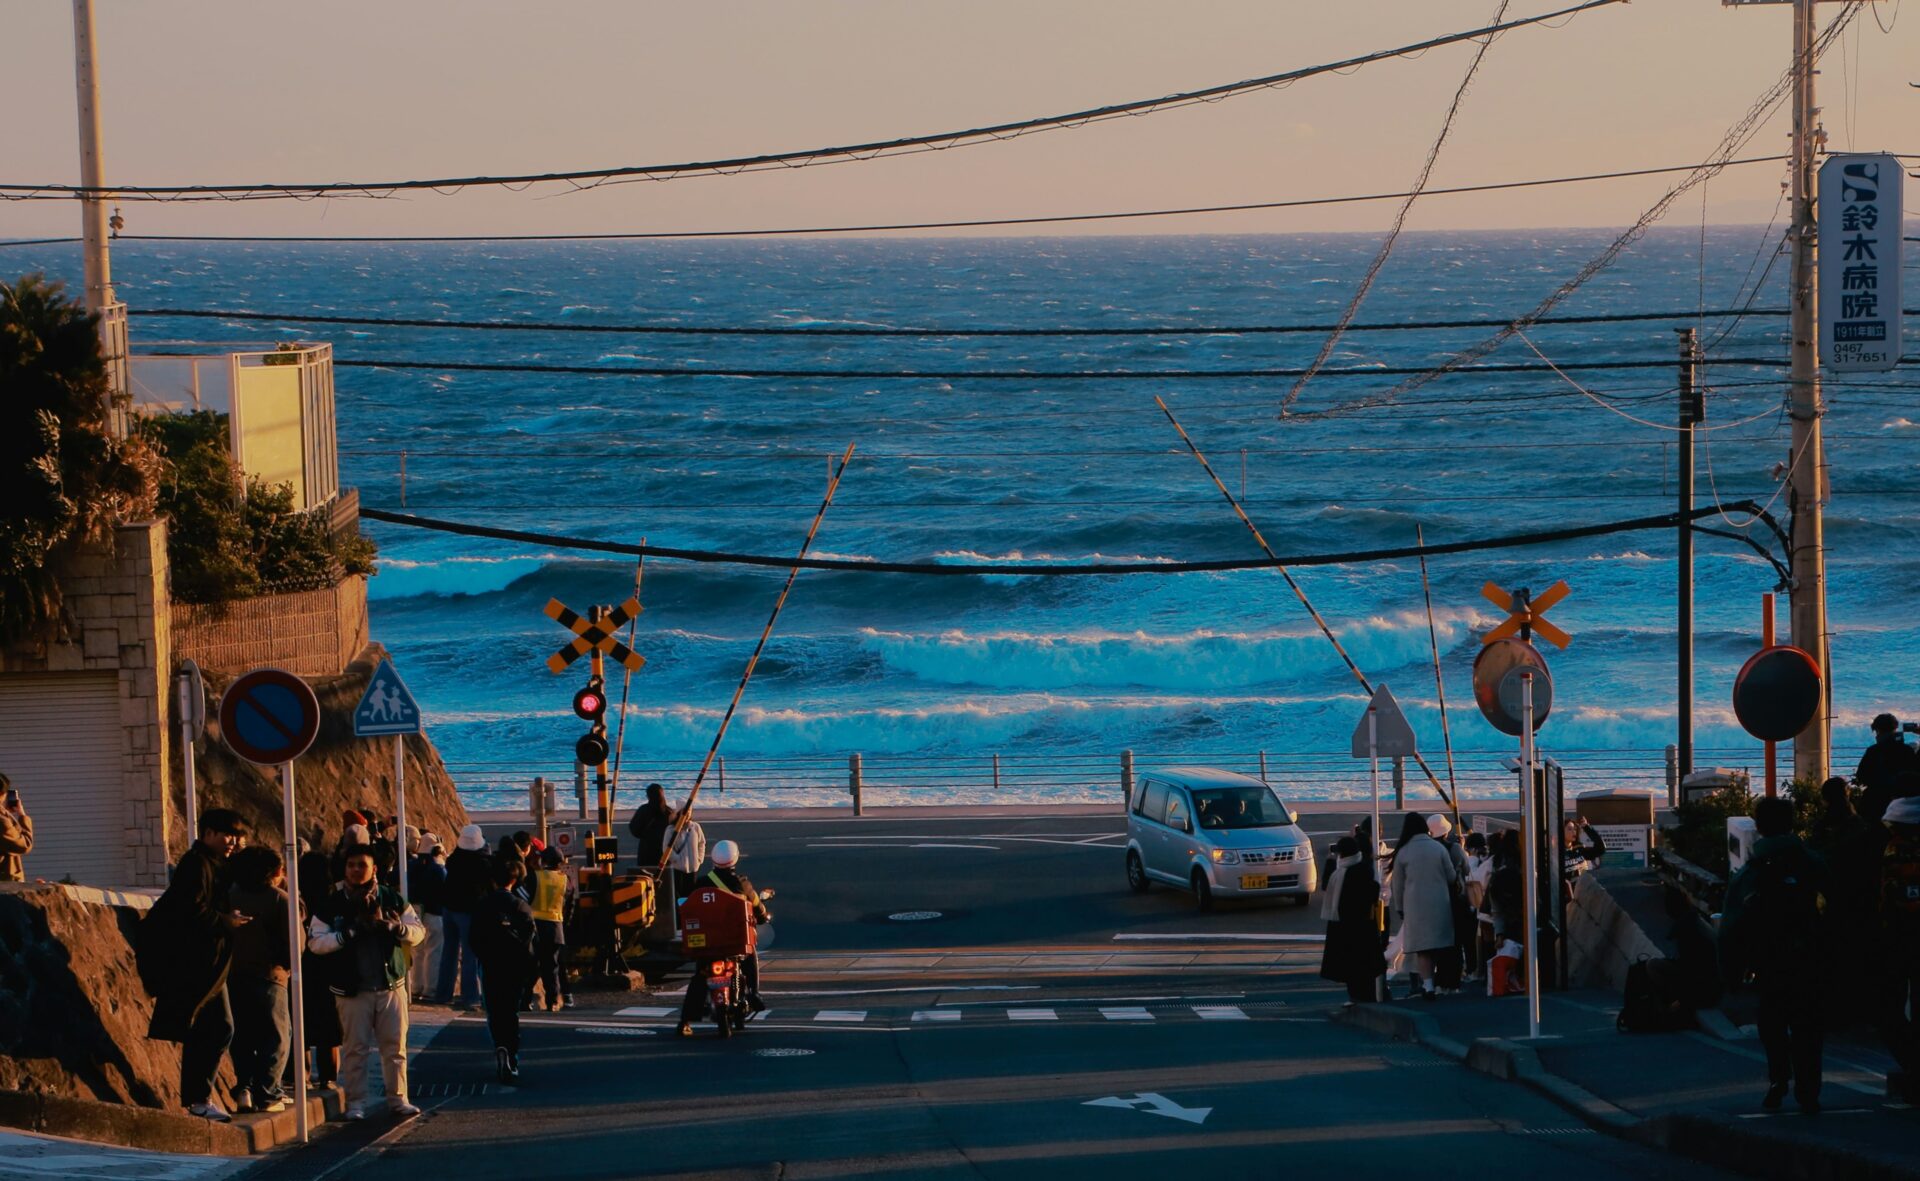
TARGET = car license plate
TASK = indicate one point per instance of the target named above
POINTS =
(1253, 881)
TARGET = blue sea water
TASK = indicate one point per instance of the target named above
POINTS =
(929, 678)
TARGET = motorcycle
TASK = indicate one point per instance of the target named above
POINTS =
(727, 1000)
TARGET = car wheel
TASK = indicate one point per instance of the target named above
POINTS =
(1202, 890)
(1302, 899)
(1136, 873)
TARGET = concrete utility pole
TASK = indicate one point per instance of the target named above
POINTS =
(1807, 465)
(93, 206)
(1691, 412)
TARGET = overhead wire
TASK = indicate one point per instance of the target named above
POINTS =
(581, 179)
(1385, 249)
(1038, 569)
(882, 227)
(1736, 137)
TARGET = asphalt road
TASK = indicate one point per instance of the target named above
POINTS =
(1025, 1033)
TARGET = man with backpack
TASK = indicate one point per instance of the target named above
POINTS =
(1771, 929)
(1899, 1016)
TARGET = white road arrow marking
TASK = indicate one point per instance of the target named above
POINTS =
(1154, 1103)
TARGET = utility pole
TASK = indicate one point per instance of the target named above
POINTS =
(93, 205)
(1691, 412)
(1807, 461)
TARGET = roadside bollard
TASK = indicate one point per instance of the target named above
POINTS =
(1126, 780)
(853, 783)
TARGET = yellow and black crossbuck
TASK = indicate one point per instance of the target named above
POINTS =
(588, 636)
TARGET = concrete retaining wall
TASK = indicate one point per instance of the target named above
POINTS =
(1603, 940)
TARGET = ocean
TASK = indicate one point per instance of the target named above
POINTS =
(929, 679)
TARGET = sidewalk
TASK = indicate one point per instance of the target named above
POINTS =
(1690, 1093)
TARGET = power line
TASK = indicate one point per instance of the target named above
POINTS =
(936, 569)
(1006, 374)
(778, 330)
(940, 141)
(879, 227)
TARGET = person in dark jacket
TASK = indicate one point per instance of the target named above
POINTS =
(1771, 929)
(1888, 770)
(1349, 902)
(649, 825)
(362, 931)
(469, 879)
(427, 882)
(503, 935)
(1896, 975)
(197, 922)
(320, 1020)
(262, 963)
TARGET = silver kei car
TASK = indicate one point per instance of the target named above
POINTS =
(1216, 833)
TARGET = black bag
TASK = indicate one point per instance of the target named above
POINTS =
(1656, 998)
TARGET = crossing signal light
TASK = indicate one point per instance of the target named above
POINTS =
(590, 703)
(592, 749)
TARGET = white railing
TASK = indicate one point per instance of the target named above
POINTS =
(278, 402)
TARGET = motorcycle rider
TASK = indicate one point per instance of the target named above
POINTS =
(726, 875)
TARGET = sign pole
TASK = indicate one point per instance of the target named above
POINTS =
(1766, 641)
(296, 1014)
(186, 686)
(1373, 855)
(1529, 816)
(400, 805)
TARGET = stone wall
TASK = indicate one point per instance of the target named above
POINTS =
(116, 602)
(314, 633)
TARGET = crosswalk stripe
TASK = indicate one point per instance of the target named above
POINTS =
(1032, 1015)
(936, 1014)
(646, 1011)
(1220, 1013)
(1125, 1014)
(851, 1016)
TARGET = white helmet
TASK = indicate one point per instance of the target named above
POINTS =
(725, 855)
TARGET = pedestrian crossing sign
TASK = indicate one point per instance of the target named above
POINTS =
(386, 707)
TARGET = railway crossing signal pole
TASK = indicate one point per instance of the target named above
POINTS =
(596, 636)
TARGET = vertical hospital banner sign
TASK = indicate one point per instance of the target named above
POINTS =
(1860, 263)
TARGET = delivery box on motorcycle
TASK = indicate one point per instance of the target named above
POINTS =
(716, 923)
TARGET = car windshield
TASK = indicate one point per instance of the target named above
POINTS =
(1239, 807)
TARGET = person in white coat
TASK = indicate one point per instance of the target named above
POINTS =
(1424, 883)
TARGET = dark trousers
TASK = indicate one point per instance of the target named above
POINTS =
(1899, 1018)
(503, 987)
(457, 961)
(207, 1039)
(696, 1002)
(262, 1035)
(546, 960)
(1792, 1032)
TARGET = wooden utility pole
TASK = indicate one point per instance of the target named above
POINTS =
(1692, 410)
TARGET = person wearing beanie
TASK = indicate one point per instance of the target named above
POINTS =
(469, 881)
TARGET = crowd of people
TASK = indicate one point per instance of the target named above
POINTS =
(215, 952)
(1446, 910)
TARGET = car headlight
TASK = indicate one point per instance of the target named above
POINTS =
(1225, 857)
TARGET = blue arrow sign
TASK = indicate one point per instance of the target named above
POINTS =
(386, 707)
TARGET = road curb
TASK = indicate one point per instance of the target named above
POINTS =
(153, 1130)
(1725, 1144)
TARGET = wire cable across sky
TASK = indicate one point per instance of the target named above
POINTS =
(587, 178)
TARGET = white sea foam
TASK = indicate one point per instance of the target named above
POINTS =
(400, 578)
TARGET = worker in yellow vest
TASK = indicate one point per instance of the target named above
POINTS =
(553, 897)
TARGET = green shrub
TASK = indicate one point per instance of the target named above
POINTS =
(225, 546)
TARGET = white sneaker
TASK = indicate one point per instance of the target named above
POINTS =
(356, 1113)
(403, 1109)
(210, 1111)
(275, 1107)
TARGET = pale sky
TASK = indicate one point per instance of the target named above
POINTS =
(199, 91)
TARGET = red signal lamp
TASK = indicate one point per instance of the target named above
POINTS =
(590, 703)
